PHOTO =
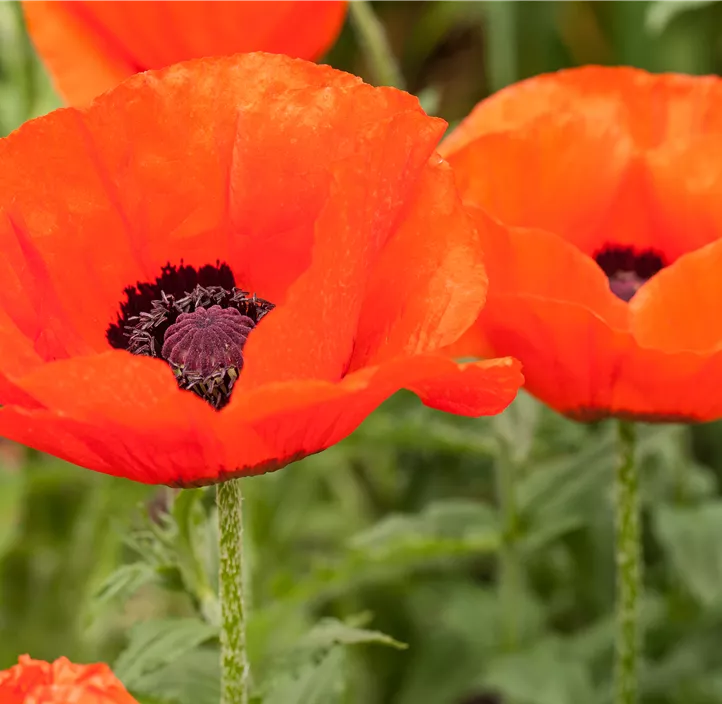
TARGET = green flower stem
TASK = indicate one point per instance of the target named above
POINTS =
(629, 573)
(509, 580)
(235, 670)
(375, 44)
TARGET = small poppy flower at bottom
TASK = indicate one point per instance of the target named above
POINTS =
(224, 266)
(61, 682)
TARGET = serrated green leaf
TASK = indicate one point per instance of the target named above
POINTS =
(331, 631)
(563, 487)
(401, 543)
(690, 535)
(464, 619)
(154, 644)
(516, 426)
(124, 582)
(453, 519)
(662, 12)
(549, 531)
(193, 678)
(546, 674)
(320, 682)
(193, 549)
(12, 488)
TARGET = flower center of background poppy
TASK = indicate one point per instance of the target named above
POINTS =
(197, 320)
(627, 268)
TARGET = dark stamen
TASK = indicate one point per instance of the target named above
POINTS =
(628, 269)
(198, 321)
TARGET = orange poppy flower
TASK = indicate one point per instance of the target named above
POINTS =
(598, 195)
(254, 198)
(61, 682)
(90, 47)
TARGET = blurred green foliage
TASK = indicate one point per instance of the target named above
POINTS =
(396, 530)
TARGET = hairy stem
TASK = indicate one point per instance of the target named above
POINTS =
(235, 670)
(509, 567)
(629, 573)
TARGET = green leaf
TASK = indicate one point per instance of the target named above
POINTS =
(192, 678)
(402, 543)
(124, 582)
(548, 531)
(196, 550)
(451, 520)
(546, 674)
(320, 682)
(326, 635)
(464, 619)
(662, 12)
(691, 537)
(330, 632)
(516, 427)
(568, 485)
(154, 644)
(12, 488)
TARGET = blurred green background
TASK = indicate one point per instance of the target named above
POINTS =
(398, 528)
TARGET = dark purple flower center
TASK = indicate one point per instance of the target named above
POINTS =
(197, 321)
(627, 268)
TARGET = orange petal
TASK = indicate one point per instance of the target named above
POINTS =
(116, 413)
(61, 682)
(429, 284)
(598, 155)
(577, 364)
(679, 308)
(538, 263)
(686, 176)
(652, 109)
(299, 418)
(559, 174)
(240, 178)
(89, 47)
(311, 334)
(123, 415)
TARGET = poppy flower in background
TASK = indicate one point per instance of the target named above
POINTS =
(598, 196)
(90, 47)
(61, 682)
(224, 266)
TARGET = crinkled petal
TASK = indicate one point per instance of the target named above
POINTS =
(122, 420)
(269, 164)
(299, 418)
(429, 284)
(538, 263)
(679, 309)
(579, 365)
(118, 414)
(61, 682)
(651, 108)
(561, 174)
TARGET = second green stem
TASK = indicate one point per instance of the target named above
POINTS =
(509, 580)
(629, 568)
